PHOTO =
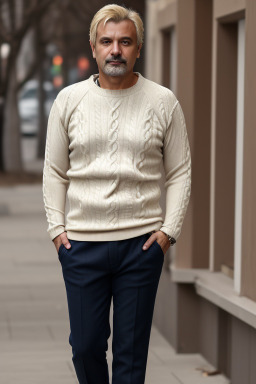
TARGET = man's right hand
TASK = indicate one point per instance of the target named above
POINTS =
(61, 239)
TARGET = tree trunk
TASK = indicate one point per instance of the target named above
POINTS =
(65, 47)
(42, 123)
(11, 134)
(1, 110)
(1, 132)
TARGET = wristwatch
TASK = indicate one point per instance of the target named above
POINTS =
(170, 238)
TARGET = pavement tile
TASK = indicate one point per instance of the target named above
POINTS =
(4, 332)
(26, 332)
(34, 311)
(10, 293)
(161, 375)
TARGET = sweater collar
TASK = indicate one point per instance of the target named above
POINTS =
(115, 92)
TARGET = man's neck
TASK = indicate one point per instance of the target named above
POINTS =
(117, 82)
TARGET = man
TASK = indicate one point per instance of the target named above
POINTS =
(106, 138)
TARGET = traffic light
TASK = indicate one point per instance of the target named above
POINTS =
(56, 65)
(83, 64)
(56, 70)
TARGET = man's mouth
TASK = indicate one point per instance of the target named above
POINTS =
(115, 62)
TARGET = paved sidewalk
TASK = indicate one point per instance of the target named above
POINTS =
(34, 324)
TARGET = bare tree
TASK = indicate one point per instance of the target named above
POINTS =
(55, 21)
(16, 17)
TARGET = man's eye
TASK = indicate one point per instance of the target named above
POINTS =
(126, 42)
(105, 41)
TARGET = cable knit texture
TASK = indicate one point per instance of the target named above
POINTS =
(103, 152)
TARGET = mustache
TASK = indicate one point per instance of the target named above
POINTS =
(119, 60)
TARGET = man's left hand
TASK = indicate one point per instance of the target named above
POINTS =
(161, 239)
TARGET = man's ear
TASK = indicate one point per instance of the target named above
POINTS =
(139, 48)
(93, 49)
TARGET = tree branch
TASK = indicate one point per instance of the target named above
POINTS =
(30, 73)
(78, 15)
(35, 12)
(4, 35)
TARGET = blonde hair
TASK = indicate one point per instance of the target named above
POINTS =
(116, 13)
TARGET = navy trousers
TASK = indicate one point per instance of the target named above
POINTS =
(94, 272)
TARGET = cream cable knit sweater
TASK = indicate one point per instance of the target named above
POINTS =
(103, 150)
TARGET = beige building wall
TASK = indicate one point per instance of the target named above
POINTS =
(249, 181)
(192, 30)
(205, 51)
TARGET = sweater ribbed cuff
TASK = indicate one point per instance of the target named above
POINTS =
(56, 231)
(168, 231)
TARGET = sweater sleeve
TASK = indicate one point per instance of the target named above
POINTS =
(55, 180)
(177, 166)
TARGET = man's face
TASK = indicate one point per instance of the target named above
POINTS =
(116, 48)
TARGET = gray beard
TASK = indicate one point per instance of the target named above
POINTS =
(111, 70)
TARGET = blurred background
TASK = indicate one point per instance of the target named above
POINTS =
(44, 47)
(204, 325)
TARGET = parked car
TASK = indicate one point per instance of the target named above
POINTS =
(28, 105)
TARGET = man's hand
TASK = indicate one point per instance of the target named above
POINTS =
(161, 238)
(62, 238)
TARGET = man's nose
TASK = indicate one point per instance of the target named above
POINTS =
(115, 49)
